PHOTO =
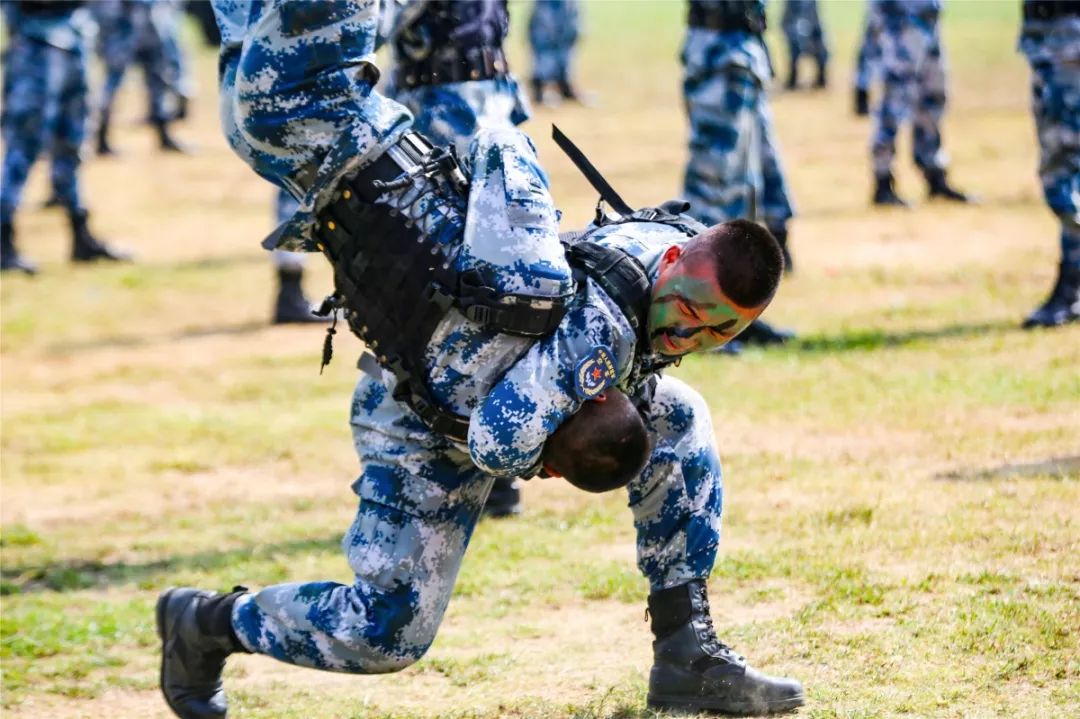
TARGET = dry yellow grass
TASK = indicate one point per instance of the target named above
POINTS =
(156, 430)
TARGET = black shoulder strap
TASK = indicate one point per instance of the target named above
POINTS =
(620, 275)
(607, 192)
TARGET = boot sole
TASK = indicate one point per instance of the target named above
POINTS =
(696, 706)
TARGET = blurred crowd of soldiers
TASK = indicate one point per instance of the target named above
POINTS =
(734, 170)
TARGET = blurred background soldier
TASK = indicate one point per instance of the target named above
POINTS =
(802, 28)
(452, 74)
(868, 61)
(554, 28)
(913, 65)
(1050, 39)
(734, 167)
(45, 105)
(291, 305)
(141, 31)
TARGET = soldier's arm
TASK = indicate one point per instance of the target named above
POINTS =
(548, 384)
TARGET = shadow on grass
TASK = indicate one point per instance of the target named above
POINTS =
(73, 575)
(147, 340)
(1055, 467)
(873, 339)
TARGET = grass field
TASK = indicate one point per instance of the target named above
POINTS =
(902, 525)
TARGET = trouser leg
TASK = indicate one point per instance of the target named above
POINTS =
(677, 501)
(723, 174)
(1056, 106)
(903, 51)
(420, 499)
(70, 132)
(929, 109)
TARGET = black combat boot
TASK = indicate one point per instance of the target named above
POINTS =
(781, 236)
(87, 248)
(1063, 304)
(103, 146)
(165, 140)
(693, 671)
(10, 259)
(761, 333)
(939, 187)
(537, 91)
(885, 193)
(793, 76)
(196, 636)
(504, 500)
(567, 90)
(862, 102)
(291, 305)
(822, 80)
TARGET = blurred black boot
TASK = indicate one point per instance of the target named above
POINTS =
(10, 259)
(292, 306)
(1063, 304)
(87, 248)
(196, 634)
(537, 91)
(693, 671)
(781, 236)
(793, 75)
(761, 333)
(822, 80)
(505, 498)
(103, 146)
(939, 187)
(862, 102)
(885, 193)
(165, 140)
(567, 91)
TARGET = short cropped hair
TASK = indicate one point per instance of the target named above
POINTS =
(601, 447)
(747, 259)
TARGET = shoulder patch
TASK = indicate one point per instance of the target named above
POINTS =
(595, 373)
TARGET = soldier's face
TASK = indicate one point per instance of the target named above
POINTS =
(689, 311)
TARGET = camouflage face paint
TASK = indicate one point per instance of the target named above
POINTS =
(689, 311)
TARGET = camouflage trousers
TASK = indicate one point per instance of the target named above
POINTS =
(45, 108)
(868, 60)
(452, 113)
(802, 29)
(1056, 104)
(420, 498)
(129, 36)
(734, 170)
(913, 66)
(553, 32)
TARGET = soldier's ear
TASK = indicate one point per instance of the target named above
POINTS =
(671, 256)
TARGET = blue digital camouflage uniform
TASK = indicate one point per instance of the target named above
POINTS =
(802, 28)
(45, 107)
(734, 170)
(554, 28)
(298, 105)
(285, 205)
(913, 67)
(868, 61)
(1052, 47)
(451, 113)
(143, 32)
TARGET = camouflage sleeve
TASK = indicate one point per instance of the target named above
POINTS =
(299, 105)
(548, 384)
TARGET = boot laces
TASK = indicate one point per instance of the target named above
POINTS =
(712, 644)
